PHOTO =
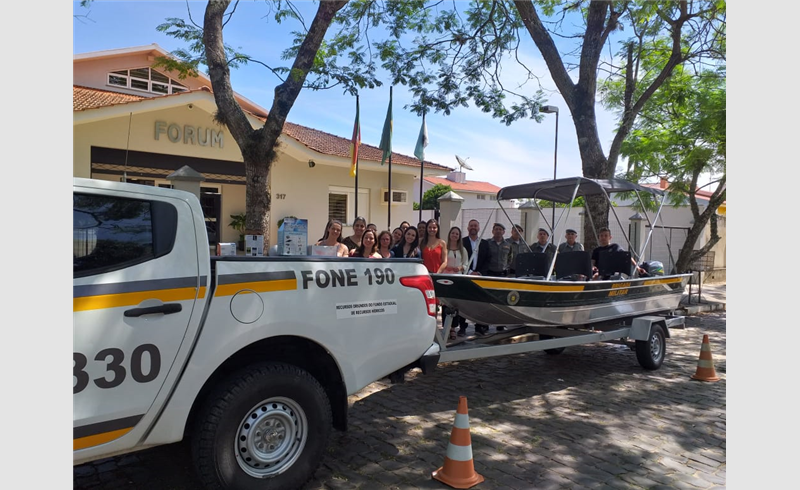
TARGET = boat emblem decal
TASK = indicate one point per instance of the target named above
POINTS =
(513, 298)
(446, 282)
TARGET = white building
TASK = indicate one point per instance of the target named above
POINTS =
(137, 123)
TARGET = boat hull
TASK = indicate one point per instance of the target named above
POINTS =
(512, 301)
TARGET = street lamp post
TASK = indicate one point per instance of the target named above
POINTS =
(551, 109)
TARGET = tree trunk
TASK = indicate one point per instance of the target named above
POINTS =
(580, 96)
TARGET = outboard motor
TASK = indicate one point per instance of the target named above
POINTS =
(654, 268)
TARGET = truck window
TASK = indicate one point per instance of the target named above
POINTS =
(111, 233)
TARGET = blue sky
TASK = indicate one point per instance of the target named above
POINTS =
(500, 154)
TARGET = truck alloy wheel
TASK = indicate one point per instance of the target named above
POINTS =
(265, 428)
(271, 437)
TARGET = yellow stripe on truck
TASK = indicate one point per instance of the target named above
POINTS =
(97, 439)
(257, 286)
(130, 299)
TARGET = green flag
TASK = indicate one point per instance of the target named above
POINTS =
(422, 141)
(386, 137)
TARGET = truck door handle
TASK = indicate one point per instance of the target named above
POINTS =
(165, 309)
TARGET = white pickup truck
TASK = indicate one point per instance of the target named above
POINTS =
(251, 358)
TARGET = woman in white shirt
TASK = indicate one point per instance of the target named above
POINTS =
(457, 257)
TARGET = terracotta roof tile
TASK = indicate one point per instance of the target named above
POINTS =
(468, 186)
(84, 98)
(699, 192)
(89, 98)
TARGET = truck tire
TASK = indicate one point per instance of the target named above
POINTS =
(265, 428)
(650, 353)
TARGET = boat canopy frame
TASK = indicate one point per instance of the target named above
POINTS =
(566, 190)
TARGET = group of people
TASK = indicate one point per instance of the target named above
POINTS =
(495, 257)
(405, 241)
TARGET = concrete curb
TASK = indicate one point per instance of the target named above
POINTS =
(687, 310)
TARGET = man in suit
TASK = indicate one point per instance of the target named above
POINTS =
(478, 265)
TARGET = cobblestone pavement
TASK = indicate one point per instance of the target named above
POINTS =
(590, 417)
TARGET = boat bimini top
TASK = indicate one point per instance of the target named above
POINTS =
(566, 190)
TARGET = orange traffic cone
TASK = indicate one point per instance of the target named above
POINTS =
(705, 365)
(458, 470)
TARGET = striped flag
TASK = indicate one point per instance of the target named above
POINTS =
(355, 143)
(386, 137)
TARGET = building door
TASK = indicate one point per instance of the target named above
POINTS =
(211, 202)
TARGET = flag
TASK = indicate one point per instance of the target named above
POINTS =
(386, 137)
(355, 143)
(422, 141)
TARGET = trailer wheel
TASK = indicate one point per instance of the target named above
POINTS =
(264, 428)
(552, 352)
(650, 353)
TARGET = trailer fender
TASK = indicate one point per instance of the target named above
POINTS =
(640, 328)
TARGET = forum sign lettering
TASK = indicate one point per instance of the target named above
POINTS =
(189, 135)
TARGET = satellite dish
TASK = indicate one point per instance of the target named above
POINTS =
(462, 163)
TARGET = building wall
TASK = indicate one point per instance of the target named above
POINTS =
(471, 200)
(113, 133)
(297, 190)
(94, 73)
(306, 193)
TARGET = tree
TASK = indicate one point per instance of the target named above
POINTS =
(680, 135)
(462, 62)
(430, 199)
(314, 66)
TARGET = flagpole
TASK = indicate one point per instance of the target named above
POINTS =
(355, 215)
(391, 194)
(421, 170)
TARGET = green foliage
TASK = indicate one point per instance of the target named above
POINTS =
(681, 132)
(238, 222)
(429, 198)
(280, 221)
(187, 61)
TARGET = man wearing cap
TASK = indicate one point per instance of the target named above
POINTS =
(516, 244)
(543, 244)
(571, 245)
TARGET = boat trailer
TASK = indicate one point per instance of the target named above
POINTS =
(645, 334)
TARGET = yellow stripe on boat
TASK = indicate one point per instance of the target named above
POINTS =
(257, 286)
(520, 286)
(653, 282)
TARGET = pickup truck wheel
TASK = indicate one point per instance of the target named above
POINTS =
(264, 428)
(650, 353)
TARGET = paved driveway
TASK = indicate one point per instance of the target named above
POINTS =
(590, 417)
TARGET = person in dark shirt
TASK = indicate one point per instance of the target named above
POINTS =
(478, 252)
(605, 245)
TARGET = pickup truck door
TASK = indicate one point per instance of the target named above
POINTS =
(135, 283)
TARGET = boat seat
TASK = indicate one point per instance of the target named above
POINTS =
(529, 264)
(611, 263)
(569, 265)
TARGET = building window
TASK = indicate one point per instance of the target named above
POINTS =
(492, 197)
(145, 79)
(342, 203)
(398, 197)
(482, 197)
(337, 206)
